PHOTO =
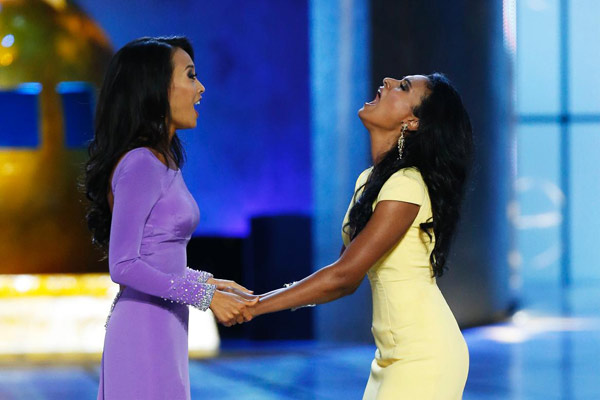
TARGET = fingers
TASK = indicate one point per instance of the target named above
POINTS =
(229, 286)
(245, 295)
(241, 288)
(233, 308)
(240, 319)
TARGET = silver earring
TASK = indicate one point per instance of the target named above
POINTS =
(401, 141)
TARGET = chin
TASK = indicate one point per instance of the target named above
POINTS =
(363, 114)
(189, 125)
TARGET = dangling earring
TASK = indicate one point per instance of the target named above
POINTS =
(401, 141)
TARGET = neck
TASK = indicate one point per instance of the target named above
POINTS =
(171, 133)
(381, 142)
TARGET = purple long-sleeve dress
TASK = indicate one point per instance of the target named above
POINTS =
(146, 345)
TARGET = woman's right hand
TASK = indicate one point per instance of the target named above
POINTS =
(230, 308)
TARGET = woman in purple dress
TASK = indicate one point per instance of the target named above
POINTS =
(142, 213)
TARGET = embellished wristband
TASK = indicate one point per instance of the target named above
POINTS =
(204, 276)
(207, 292)
(187, 289)
(287, 285)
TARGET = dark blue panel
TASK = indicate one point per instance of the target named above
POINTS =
(19, 116)
(78, 112)
(250, 153)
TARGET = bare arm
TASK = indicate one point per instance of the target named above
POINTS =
(388, 224)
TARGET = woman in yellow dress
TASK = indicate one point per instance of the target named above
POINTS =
(397, 231)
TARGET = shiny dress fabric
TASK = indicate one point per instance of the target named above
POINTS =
(146, 344)
(421, 353)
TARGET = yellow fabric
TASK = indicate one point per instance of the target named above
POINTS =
(421, 353)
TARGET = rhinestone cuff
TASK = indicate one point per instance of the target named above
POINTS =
(189, 289)
(204, 276)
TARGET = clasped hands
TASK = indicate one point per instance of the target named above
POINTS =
(232, 303)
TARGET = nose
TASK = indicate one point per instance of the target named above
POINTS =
(388, 82)
(201, 88)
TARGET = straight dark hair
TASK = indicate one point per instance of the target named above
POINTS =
(441, 149)
(132, 111)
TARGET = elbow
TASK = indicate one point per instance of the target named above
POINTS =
(119, 271)
(352, 288)
(344, 284)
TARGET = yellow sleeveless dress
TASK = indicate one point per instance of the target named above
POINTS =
(421, 353)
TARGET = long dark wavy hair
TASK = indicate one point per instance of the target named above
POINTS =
(132, 111)
(441, 149)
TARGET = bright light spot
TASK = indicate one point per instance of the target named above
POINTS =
(8, 40)
(61, 282)
(24, 283)
(509, 17)
(520, 318)
(506, 334)
(525, 326)
(58, 4)
(6, 59)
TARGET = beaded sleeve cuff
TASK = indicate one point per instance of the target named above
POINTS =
(191, 290)
(204, 276)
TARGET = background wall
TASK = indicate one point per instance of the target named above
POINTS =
(250, 153)
(470, 43)
(278, 132)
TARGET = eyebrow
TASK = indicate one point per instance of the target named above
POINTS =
(189, 66)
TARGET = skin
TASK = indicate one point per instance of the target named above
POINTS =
(383, 118)
(230, 301)
(184, 92)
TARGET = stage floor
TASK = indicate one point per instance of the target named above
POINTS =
(550, 350)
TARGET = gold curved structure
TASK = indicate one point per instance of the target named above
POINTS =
(42, 226)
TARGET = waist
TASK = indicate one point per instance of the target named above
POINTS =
(406, 272)
(170, 259)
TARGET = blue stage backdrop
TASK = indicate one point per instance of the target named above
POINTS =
(250, 154)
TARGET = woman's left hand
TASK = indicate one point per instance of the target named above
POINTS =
(226, 285)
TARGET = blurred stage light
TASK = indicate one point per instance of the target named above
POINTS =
(62, 317)
(8, 40)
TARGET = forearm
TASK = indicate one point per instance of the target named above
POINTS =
(322, 286)
(187, 288)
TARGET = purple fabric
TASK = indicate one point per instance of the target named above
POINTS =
(146, 345)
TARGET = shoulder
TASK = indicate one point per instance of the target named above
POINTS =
(405, 184)
(140, 157)
(139, 162)
(362, 178)
(411, 173)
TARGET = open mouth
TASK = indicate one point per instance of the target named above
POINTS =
(376, 99)
(196, 105)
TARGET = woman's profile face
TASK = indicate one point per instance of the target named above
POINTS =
(394, 103)
(185, 91)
